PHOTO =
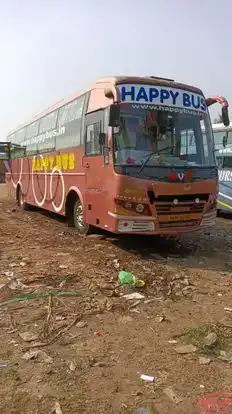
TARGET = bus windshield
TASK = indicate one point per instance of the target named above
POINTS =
(163, 138)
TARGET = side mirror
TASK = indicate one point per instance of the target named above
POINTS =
(225, 116)
(224, 141)
(114, 116)
(102, 138)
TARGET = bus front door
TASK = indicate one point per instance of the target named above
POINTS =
(95, 170)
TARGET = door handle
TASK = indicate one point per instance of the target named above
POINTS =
(86, 165)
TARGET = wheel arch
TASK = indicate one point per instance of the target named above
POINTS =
(72, 196)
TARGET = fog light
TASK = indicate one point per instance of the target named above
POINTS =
(128, 205)
(139, 208)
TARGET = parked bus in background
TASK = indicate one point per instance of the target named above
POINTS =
(223, 151)
(114, 157)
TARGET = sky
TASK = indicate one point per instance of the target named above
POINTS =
(52, 48)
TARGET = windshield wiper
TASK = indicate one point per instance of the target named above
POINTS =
(150, 156)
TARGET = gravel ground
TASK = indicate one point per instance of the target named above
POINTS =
(85, 354)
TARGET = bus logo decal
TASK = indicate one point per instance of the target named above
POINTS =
(180, 176)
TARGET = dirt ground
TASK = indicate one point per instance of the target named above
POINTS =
(85, 354)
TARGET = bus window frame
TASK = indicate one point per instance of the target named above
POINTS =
(93, 118)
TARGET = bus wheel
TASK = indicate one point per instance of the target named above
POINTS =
(20, 201)
(78, 219)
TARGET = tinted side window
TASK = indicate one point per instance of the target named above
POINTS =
(20, 136)
(70, 119)
(48, 122)
(92, 139)
(32, 130)
(17, 138)
(46, 140)
(71, 111)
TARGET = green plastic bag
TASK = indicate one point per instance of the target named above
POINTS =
(127, 278)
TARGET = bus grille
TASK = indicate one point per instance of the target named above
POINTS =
(190, 223)
(184, 198)
(183, 214)
(181, 208)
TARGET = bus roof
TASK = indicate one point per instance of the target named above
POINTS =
(111, 81)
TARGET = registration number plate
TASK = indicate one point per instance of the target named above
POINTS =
(183, 217)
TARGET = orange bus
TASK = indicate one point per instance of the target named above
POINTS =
(116, 157)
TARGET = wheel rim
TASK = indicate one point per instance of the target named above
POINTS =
(80, 218)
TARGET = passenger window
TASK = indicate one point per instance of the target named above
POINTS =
(47, 133)
(32, 130)
(92, 139)
(20, 136)
(71, 111)
(17, 138)
(47, 142)
(48, 122)
(70, 124)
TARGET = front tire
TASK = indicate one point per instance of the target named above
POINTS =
(78, 219)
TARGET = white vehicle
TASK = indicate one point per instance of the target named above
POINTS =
(223, 152)
(222, 135)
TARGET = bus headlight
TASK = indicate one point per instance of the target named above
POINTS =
(140, 208)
